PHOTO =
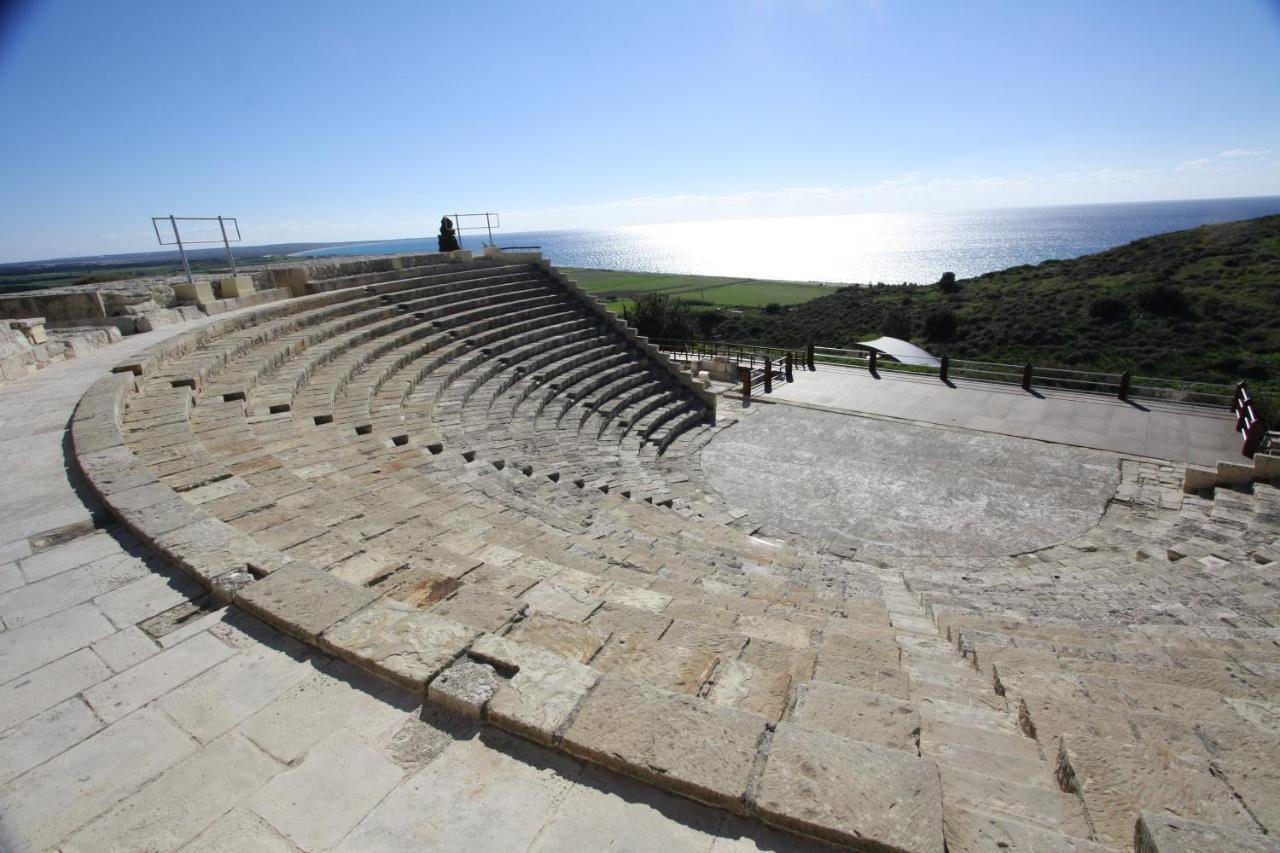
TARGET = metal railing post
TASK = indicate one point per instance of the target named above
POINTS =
(944, 368)
(745, 375)
(230, 257)
(787, 368)
(768, 376)
(1027, 372)
(173, 221)
(1125, 379)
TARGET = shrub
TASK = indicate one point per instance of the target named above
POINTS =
(1106, 309)
(773, 308)
(657, 315)
(1163, 299)
(948, 284)
(895, 324)
(940, 325)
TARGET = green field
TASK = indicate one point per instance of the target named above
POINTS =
(618, 288)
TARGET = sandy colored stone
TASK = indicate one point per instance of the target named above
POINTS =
(775, 630)
(1118, 779)
(302, 601)
(707, 638)
(857, 715)
(572, 640)
(553, 600)
(422, 588)
(863, 675)
(798, 663)
(671, 667)
(537, 690)
(477, 608)
(399, 642)
(681, 743)
(1160, 832)
(464, 688)
(852, 793)
(741, 685)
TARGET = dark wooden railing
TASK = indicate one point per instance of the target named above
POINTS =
(1125, 386)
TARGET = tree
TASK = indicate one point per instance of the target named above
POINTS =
(448, 238)
(895, 323)
(657, 315)
(948, 284)
(940, 326)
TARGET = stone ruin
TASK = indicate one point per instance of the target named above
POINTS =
(471, 480)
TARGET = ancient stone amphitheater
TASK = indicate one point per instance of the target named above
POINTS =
(472, 481)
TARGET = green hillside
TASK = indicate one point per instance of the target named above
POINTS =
(1196, 305)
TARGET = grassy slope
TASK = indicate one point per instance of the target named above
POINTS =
(1229, 273)
(616, 288)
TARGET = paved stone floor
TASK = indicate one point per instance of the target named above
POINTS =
(907, 489)
(1162, 430)
(135, 715)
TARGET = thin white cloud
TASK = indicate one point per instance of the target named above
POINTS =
(1198, 163)
(1243, 152)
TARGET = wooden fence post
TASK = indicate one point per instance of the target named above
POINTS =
(1026, 377)
(945, 368)
(768, 375)
(871, 363)
(745, 375)
(787, 368)
(1125, 379)
(809, 356)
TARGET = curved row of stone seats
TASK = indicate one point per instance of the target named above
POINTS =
(1145, 656)
(677, 618)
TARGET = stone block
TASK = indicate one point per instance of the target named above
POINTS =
(316, 803)
(399, 642)
(857, 715)
(302, 601)
(234, 286)
(1160, 832)
(688, 745)
(170, 812)
(1198, 477)
(292, 278)
(65, 792)
(740, 685)
(1266, 466)
(860, 794)
(198, 293)
(572, 640)
(464, 688)
(1235, 473)
(536, 691)
(1117, 779)
(671, 667)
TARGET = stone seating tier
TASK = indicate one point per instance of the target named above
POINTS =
(470, 481)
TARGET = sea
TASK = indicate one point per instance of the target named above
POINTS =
(892, 248)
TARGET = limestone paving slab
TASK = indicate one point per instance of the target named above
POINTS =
(302, 600)
(858, 794)
(682, 743)
(399, 641)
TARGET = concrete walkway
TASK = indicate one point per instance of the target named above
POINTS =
(1145, 428)
(136, 715)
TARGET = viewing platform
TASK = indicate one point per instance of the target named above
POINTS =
(1196, 435)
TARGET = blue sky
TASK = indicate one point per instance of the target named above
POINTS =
(330, 121)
